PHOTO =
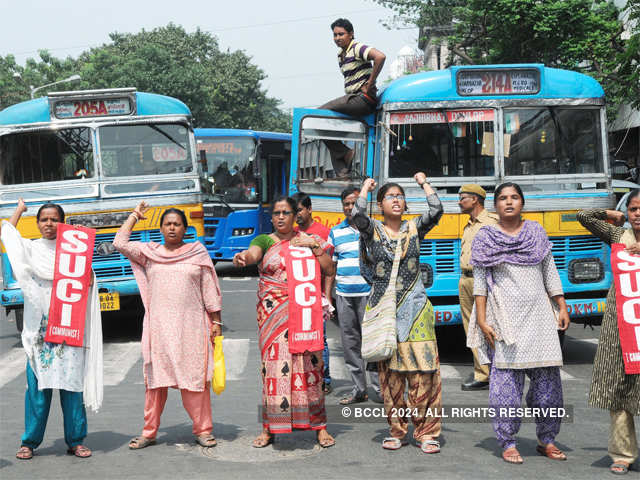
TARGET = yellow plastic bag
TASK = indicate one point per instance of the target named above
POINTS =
(219, 370)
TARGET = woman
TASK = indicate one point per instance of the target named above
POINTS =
(514, 322)
(75, 371)
(181, 296)
(285, 403)
(611, 388)
(416, 360)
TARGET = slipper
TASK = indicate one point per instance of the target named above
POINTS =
(393, 443)
(326, 388)
(512, 455)
(551, 451)
(354, 399)
(137, 443)
(25, 453)
(262, 443)
(327, 442)
(206, 440)
(425, 444)
(80, 451)
(624, 468)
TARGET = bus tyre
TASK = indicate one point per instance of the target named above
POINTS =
(19, 314)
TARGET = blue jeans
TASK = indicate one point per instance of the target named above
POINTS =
(36, 412)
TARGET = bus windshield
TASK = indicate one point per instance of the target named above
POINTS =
(552, 140)
(135, 150)
(230, 167)
(442, 143)
(46, 156)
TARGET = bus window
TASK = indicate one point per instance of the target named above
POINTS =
(46, 156)
(230, 169)
(134, 150)
(315, 163)
(552, 140)
(452, 143)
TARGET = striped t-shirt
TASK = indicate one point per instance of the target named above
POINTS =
(355, 66)
(349, 282)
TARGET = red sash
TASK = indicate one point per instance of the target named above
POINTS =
(626, 273)
(71, 279)
(305, 300)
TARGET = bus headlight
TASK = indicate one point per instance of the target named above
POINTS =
(427, 274)
(237, 232)
(585, 270)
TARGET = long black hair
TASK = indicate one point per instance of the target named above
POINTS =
(51, 205)
(178, 212)
(504, 185)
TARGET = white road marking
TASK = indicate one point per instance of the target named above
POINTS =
(239, 291)
(118, 359)
(236, 354)
(12, 364)
(566, 376)
(449, 371)
(236, 279)
(588, 340)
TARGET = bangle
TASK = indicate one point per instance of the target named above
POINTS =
(135, 215)
(216, 322)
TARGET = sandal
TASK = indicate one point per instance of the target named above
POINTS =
(25, 453)
(328, 440)
(354, 399)
(137, 443)
(206, 440)
(263, 440)
(326, 388)
(619, 468)
(512, 455)
(429, 445)
(551, 451)
(80, 451)
(393, 443)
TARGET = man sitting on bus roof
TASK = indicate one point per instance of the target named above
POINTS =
(306, 224)
(360, 65)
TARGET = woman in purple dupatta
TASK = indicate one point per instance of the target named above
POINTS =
(292, 396)
(519, 307)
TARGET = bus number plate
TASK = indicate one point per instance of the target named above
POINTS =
(498, 82)
(109, 301)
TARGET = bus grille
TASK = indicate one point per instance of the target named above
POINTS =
(565, 247)
(446, 253)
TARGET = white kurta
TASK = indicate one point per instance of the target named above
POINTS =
(76, 369)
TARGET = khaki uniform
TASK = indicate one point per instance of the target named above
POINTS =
(465, 287)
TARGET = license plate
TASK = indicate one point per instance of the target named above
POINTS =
(109, 301)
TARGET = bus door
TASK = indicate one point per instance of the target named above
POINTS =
(274, 176)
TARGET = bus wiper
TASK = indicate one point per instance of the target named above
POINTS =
(220, 198)
(165, 134)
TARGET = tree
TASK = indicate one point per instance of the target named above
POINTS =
(222, 89)
(628, 59)
(581, 35)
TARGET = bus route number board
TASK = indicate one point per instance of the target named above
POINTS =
(498, 82)
(109, 301)
(92, 108)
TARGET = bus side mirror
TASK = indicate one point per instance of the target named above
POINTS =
(203, 160)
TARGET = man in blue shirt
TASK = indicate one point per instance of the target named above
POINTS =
(352, 292)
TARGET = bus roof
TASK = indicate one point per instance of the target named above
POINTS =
(38, 111)
(230, 132)
(440, 85)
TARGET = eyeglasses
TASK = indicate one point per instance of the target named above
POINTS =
(282, 213)
(391, 197)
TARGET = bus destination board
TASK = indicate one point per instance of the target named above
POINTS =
(498, 82)
(92, 108)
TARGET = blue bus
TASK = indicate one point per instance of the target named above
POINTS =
(541, 127)
(98, 153)
(242, 171)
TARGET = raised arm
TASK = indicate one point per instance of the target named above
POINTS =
(129, 249)
(595, 220)
(431, 217)
(20, 209)
(360, 218)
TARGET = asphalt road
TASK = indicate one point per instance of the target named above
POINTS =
(469, 450)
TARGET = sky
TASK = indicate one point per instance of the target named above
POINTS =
(290, 40)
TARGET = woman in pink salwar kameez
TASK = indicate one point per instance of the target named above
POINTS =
(181, 295)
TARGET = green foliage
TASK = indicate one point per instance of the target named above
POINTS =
(582, 35)
(222, 89)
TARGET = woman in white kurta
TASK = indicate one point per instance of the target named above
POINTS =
(75, 371)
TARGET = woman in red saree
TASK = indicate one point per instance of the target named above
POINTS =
(291, 382)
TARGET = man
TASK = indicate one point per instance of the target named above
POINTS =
(471, 202)
(360, 65)
(352, 292)
(306, 224)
